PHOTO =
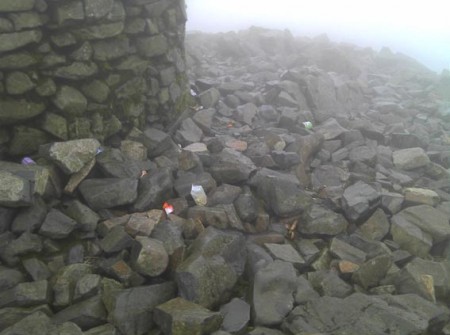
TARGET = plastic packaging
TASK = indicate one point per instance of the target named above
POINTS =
(27, 161)
(199, 195)
(308, 125)
(168, 208)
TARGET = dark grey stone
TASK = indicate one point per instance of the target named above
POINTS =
(231, 167)
(10, 278)
(132, 309)
(223, 194)
(25, 243)
(282, 193)
(362, 314)
(85, 314)
(36, 268)
(247, 206)
(270, 307)
(154, 188)
(26, 294)
(359, 201)
(109, 192)
(57, 225)
(116, 239)
(179, 316)
(85, 217)
(328, 283)
(321, 221)
(114, 164)
(236, 315)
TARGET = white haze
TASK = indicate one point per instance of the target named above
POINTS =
(420, 29)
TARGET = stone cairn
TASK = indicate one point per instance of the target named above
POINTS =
(326, 173)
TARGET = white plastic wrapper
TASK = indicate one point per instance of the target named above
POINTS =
(199, 195)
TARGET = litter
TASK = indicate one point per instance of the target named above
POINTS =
(27, 161)
(99, 150)
(168, 208)
(199, 195)
(308, 125)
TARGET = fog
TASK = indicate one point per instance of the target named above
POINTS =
(420, 29)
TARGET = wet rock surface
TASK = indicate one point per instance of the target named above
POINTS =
(327, 199)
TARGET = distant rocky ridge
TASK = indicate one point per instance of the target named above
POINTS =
(327, 174)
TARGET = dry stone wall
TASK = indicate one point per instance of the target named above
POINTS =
(88, 68)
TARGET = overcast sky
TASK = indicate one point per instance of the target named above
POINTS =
(420, 29)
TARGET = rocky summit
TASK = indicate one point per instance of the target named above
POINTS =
(306, 191)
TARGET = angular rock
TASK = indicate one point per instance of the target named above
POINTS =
(15, 111)
(12, 41)
(16, 5)
(132, 309)
(270, 306)
(231, 166)
(14, 190)
(286, 253)
(236, 315)
(149, 257)
(421, 196)
(71, 11)
(282, 193)
(36, 268)
(26, 294)
(10, 278)
(429, 220)
(359, 313)
(57, 225)
(331, 129)
(18, 83)
(154, 188)
(364, 154)
(376, 227)
(328, 283)
(304, 292)
(85, 217)
(70, 101)
(153, 46)
(109, 192)
(40, 323)
(410, 237)
(25, 243)
(182, 317)
(346, 251)
(85, 314)
(115, 240)
(411, 158)
(370, 273)
(321, 221)
(413, 279)
(217, 259)
(359, 201)
(209, 98)
(188, 133)
(71, 156)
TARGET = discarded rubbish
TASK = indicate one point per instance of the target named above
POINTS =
(99, 150)
(27, 161)
(168, 208)
(143, 173)
(199, 195)
(308, 124)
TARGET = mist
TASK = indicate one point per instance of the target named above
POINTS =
(419, 29)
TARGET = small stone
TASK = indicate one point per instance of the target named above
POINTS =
(150, 258)
(182, 317)
(421, 196)
(71, 156)
(411, 158)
